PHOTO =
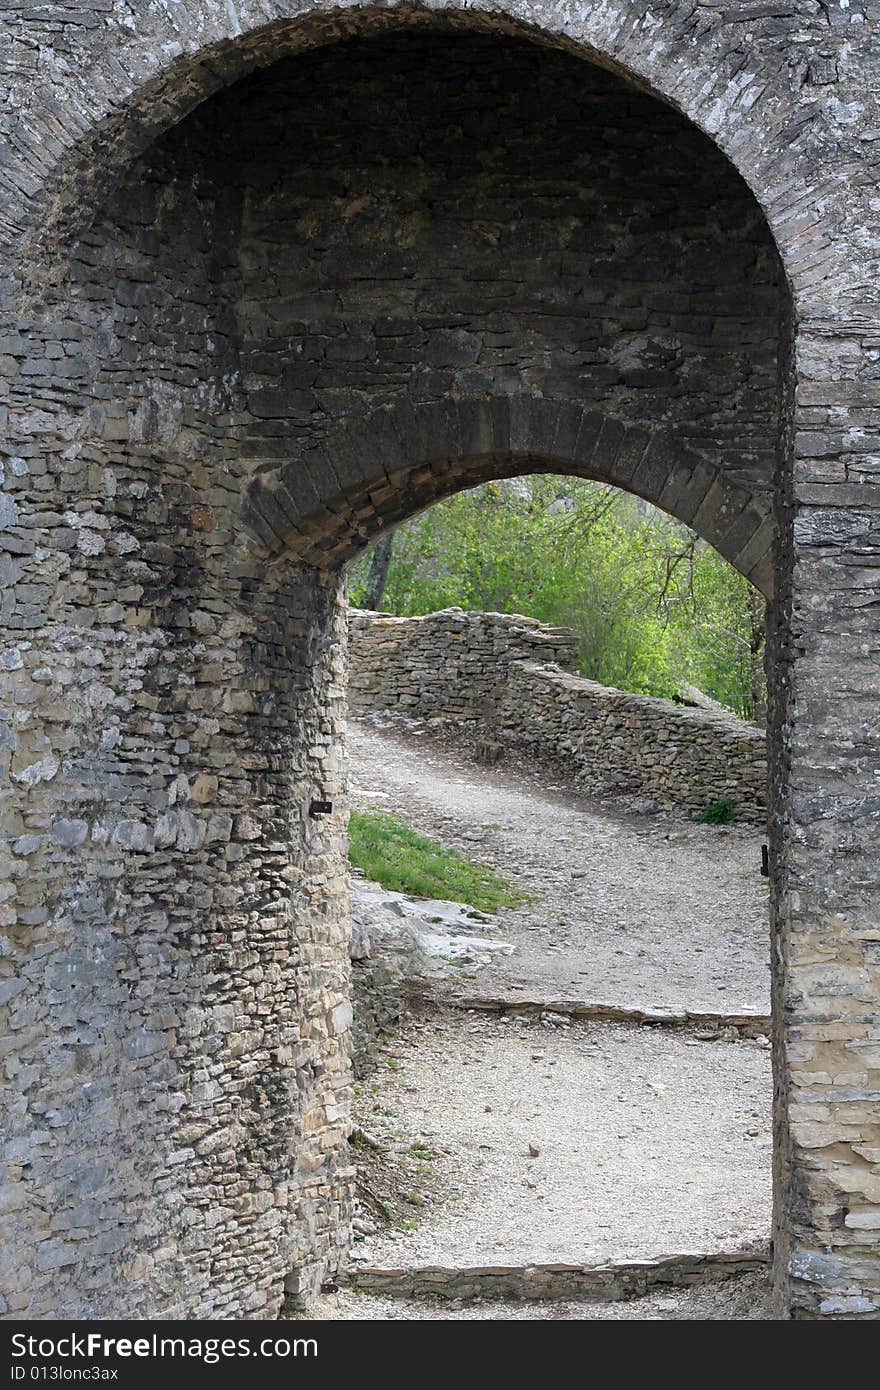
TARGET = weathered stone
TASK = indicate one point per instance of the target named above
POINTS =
(26, 844)
(133, 834)
(70, 833)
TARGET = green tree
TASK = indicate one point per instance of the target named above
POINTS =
(654, 608)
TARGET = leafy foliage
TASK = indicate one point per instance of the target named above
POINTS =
(654, 608)
(397, 857)
(717, 813)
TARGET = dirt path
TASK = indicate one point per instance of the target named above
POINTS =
(643, 912)
(498, 1140)
(534, 1144)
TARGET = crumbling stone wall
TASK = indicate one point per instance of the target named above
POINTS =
(142, 490)
(449, 665)
(632, 745)
(500, 672)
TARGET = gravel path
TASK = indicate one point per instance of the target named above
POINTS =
(648, 1142)
(632, 910)
(513, 1140)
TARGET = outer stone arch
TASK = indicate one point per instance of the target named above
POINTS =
(328, 504)
(122, 89)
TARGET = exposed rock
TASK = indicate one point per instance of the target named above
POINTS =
(399, 941)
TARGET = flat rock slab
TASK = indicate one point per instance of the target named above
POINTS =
(738, 1299)
(646, 912)
(422, 937)
(574, 1144)
(608, 1283)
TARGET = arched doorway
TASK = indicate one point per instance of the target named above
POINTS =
(308, 310)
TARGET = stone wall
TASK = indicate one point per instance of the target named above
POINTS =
(174, 918)
(660, 752)
(493, 670)
(678, 340)
(447, 665)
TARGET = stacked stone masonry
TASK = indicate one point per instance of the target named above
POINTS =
(494, 673)
(451, 665)
(273, 277)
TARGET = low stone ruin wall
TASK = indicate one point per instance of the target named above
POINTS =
(447, 665)
(635, 745)
(502, 677)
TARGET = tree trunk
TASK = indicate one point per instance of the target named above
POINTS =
(758, 616)
(380, 563)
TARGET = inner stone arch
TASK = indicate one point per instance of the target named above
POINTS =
(513, 311)
(327, 505)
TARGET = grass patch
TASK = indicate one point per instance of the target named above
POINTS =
(395, 856)
(717, 813)
(422, 1154)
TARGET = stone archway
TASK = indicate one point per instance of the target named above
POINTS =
(115, 87)
(172, 693)
(402, 459)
